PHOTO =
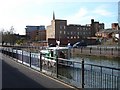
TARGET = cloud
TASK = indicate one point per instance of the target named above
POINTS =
(84, 15)
(19, 23)
(81, 13)
(78, 16)
(102, 11)
(19, 13)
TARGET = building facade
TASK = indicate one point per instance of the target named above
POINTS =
(78, 31)
(59, 30)
(115, 26)
(96, 27)
(36, 33)
(56, 29)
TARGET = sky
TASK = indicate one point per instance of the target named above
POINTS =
(20, 13)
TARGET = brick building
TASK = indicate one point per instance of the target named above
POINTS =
(115, 26)
(59, 30)
(36, 33)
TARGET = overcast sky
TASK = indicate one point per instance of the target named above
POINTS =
(19, 13)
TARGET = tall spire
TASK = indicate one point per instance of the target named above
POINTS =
(53, 16)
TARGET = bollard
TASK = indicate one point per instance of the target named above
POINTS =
(83, 73)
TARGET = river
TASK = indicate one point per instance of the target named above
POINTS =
(107, 78)
(102, 61)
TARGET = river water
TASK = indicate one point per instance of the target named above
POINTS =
(94, 78)
(102, 61)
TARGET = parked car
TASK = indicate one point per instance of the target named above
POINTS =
(79, 44)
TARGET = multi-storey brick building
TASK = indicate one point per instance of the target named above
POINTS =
(115, 26)
(36, 33)
(59, 30)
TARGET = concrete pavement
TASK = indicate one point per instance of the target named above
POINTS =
(15, 75)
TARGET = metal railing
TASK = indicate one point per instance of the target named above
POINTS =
(100, 51)
(76, 73)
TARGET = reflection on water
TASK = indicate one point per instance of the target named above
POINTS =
(103, 61)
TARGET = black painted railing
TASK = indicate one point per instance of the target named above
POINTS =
(76, 73)
(99, 51)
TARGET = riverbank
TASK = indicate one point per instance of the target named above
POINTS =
(109, 52)
(96, 57)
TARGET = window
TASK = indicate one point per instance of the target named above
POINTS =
(60, 26)
(71, 37)
(67, 37)
(64, 27)
(74, 37)
(60, 32)
(83, 33)
(68, 33)
(64, 32)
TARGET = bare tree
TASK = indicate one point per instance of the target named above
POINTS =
(9, 36)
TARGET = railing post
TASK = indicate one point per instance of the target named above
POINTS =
(7, 51)
(118, 80)
(81, 49)
(100, 50)
(101, 77)
(22, 56)
(83, 73)
(12, 52)
(90, 49)
(111, 51)
(40, 63)
(57, 66)
(16, 55)
(30, 59)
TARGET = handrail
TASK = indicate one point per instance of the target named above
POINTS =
(80, 62)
